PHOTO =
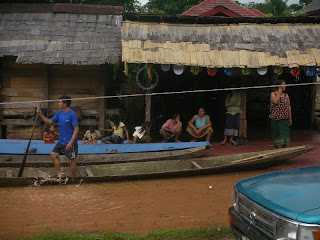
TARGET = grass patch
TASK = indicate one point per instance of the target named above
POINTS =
(191, 234)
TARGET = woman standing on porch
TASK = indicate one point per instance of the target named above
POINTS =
(200, 126)
(232, 103)
(280, 115)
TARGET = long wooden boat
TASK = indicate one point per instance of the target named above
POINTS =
(14, 160)
(37, 147)
(151, 169)
(12, 152)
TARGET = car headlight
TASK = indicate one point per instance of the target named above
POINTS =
(286, 230)
(235, 200)
(309, 232)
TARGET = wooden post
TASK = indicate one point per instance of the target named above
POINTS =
(313, 103)
(1, 80)
(5, 84)
(148, 107)
(101, 90)
(243, 115)
(46, 77)
(148, 99)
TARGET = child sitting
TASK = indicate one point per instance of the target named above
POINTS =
(141, 133)
(48, 134)
(117, 130)
(92, 135)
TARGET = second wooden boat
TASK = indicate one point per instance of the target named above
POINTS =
(151, 169)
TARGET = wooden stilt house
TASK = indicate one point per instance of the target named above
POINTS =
(49, 50)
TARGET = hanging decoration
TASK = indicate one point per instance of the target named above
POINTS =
(165, 67)
(148, 74)
(262, 71)
(228, 71)
(212, 71)
(178, 69)
(195, 70)
(246, 71)
(278, 70)
(311, 71)
(295, 71)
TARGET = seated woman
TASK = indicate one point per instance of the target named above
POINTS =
(171, 130)
(142, 133)
(117, 130)
(49, 133)
(92, 136)
(200, 126)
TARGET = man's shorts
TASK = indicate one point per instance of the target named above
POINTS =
(72, 153)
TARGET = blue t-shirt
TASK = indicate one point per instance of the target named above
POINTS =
(200, 123)
(66, 122)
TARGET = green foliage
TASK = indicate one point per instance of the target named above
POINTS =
(276, 8)
(304, 2)
(191, 234)
(170, 6)
(131, 5)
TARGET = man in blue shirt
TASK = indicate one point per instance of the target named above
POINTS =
(68, 134)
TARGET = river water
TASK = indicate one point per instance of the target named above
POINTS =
(127, 207)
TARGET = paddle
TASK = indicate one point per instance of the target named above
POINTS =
(27, 150)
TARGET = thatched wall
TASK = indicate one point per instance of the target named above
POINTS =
(222, 45)
(57, 34)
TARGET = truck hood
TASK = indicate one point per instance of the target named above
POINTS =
(293, 193)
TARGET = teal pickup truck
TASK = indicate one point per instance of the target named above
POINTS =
(283, 205)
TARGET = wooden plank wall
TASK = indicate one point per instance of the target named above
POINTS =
(37, 81)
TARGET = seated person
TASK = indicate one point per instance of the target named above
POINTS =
(142, 133)
(92, 135)
(200, 126)
(171, 130)
(117, 130)
(49, 133)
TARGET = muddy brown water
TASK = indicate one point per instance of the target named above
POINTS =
(127, 207)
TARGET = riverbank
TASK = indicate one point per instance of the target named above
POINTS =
(191, 234)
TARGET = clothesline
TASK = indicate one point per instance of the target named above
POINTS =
(161, 93)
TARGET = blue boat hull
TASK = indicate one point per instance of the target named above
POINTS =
(8, 146)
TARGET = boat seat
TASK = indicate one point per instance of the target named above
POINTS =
(9, 173)
(196, 165)
(89, 172)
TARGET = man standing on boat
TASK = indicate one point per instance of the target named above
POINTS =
(68, 135)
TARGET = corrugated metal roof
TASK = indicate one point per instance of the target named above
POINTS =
(225, 45)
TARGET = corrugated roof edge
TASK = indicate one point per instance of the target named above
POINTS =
(215, 20)
(62, 8)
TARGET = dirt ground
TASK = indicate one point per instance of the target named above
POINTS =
(136, 206)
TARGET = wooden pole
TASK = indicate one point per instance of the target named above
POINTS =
(313, 103)
(27, 150)
(148, 97)
(243, 115)
(148, 107)
(101, 91)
